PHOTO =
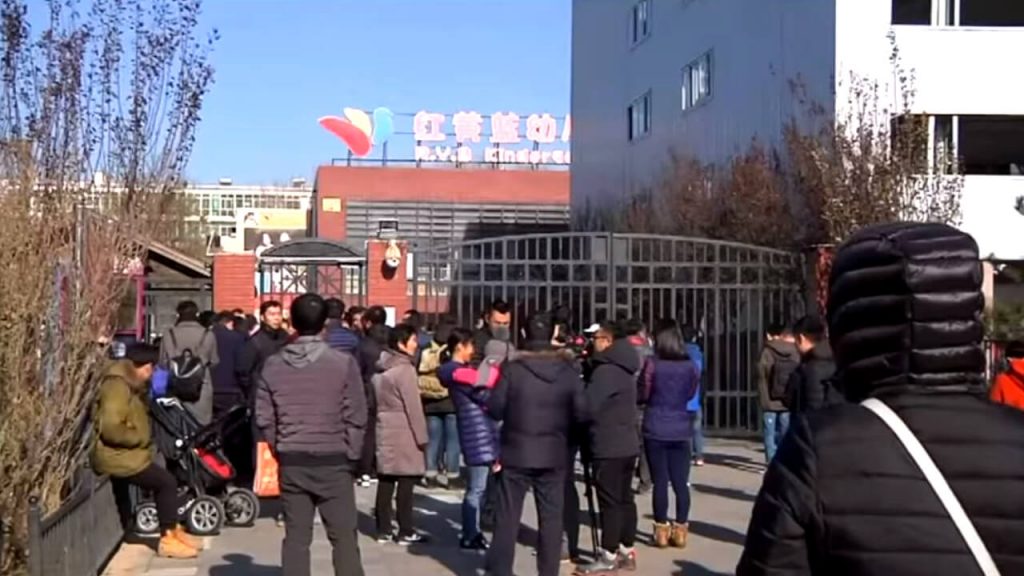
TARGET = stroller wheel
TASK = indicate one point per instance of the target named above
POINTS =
(146, 521)
(205, 516)
(241, 507)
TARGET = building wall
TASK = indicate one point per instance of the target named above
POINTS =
(337, 186)
(759, 51)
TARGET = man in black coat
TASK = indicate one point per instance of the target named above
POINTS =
(497, 326)
(538, 399)
(843, 497)
(371, 345)
(613, 446)
(270, 338)
(810, 386)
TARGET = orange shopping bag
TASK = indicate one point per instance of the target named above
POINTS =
(266, 484)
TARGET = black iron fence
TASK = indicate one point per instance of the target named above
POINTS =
(78, 538)
(730, 292)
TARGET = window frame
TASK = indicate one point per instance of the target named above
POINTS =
(690, 77)
(636, 35)
(639, 113)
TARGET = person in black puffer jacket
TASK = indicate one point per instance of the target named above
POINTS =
(538, 399)
(842, 496)
(613, 446)
(810, 386)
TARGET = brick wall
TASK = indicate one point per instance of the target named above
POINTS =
(234, 284)
(234, 281)
(387, 287)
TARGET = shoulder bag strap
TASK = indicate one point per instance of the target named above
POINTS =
(174, 341)
(938, 484)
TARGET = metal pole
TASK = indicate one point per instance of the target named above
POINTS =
(35, 537)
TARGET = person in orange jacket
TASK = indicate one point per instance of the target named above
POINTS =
(1009, 385)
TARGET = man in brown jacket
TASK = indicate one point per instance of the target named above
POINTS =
(779, 359)
(311, 408)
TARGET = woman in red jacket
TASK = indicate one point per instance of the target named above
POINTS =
(1008, 387)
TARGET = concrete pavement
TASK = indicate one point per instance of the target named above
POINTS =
(722, 495)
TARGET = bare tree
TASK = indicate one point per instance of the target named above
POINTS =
(100, 103)
(870, 163)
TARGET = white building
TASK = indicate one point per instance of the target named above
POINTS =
(704, 77)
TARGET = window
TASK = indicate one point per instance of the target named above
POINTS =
(638, 117)
(640, 21)
(696, 82)
(991, 13)
(913, 12)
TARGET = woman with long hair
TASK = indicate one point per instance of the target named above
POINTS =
(401, 434)
(670, 380)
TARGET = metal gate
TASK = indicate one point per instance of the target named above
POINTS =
(730, 292)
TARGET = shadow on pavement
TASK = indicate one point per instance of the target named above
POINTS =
(242, 565)
(687, 568)
(730, 493)
(716, 532)
(735, 462)
(437, 520)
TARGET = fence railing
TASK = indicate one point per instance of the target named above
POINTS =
(78, 538)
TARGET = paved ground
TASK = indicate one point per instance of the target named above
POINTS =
(723, 492)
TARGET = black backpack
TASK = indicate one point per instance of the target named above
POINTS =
(186, 372)
(782, 369)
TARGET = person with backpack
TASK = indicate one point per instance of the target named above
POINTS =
(779, 359)
(189, 352)
(810, 386)
(918, 473)
(443, 451)
(1008, 387)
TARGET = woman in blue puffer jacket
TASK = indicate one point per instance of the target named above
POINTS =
(670, 380)
(469, 389)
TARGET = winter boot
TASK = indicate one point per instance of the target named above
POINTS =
(186, 538)
(171, 547)
(679, 534)
(662, 533)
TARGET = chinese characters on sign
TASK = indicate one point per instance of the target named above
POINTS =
(510, 139)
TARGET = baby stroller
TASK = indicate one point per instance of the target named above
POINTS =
(193, 454)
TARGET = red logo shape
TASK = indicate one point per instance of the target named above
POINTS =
(358, 141)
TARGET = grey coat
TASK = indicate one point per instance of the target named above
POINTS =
(192, 336)
(311, 403)
(401, 425)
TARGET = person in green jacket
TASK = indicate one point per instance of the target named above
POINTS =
(123, 444)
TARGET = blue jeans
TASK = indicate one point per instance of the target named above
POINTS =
(670, 464)
(698, 434)
(775, 426)
(443, 437)
(472, 501)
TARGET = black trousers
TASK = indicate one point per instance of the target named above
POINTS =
(238, 439)
(613, 480)
(548, 485)
(331, 489)
(386, 487)
(157, 481)
(571, 508)
(643, 470)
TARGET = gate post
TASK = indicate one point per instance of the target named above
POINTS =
(388, 287)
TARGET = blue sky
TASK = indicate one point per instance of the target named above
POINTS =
(281, 64)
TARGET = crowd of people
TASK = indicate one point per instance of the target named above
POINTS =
(344, 401)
